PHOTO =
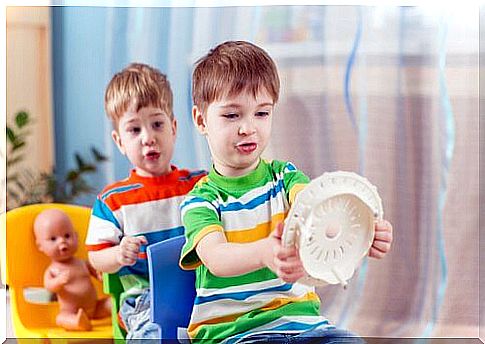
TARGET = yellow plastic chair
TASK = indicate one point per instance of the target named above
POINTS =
(23, 267)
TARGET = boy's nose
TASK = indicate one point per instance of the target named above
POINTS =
(148, 139)
(247, 128)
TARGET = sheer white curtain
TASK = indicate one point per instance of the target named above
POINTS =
(390, 93)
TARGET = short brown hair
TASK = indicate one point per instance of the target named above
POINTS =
(230, 68)
(138, 84)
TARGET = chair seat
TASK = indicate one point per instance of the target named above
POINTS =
(41, 322)
(101, 329)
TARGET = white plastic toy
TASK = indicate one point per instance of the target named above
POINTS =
(332, 224)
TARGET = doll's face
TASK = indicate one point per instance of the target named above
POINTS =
(54, 235)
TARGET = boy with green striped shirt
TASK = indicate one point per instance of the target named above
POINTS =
(245, 278)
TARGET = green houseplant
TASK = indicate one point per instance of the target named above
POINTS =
(27, 187)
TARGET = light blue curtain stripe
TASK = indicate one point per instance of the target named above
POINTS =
(362, 145)
(399, 126)
(351, 301)
(109, 148)
(179, 71)
(257, 19)
(348, 70)
(448, 127)
(402, 147)
(115, 60)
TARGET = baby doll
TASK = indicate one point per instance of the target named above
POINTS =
(68, 276)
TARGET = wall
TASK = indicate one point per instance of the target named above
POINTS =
(29, 81)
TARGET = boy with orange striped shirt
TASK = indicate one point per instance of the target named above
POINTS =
(142, 209)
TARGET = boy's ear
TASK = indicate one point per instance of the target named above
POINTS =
(199, 120)
(174, 127)
(117, 139)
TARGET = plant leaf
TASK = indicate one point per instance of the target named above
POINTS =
(21, 119)
(17, 145)
(72, 175)
(15, 160)
(80, 162)
(88, 168)
(11, 135)
(80, 186)
(98, 156)
(13, 177)
(20, 186)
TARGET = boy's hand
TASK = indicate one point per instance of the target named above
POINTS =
(129, 248)
(283, 261)
(382, 239)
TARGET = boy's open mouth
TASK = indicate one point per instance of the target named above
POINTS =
(246, 148)
(152, 155)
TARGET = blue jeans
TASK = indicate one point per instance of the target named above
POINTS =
(313, 336)
(135, 313)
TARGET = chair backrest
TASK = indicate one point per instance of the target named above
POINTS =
(172, 289)
(23, 265)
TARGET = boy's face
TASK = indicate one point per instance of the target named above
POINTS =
(238, 129)
(147, 138)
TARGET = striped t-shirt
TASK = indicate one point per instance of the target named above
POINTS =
(245, 209)
(139, 205)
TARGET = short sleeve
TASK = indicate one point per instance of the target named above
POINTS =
(199, 217)
(104, 229)
(294, 180)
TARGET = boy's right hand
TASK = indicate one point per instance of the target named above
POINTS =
(129, 248)
(283, 261)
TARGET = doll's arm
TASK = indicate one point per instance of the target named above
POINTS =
(55, 280)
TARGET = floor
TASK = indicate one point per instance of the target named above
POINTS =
(10, 334)
(8, 319)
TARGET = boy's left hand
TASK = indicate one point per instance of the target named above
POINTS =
(382, 239)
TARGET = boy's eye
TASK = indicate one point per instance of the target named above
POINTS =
(53, 238)
(262, 113)
(230, 115)
(158, 124)
(134, 130)
(67, 235)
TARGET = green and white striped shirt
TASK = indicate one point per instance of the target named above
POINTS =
(245, 209)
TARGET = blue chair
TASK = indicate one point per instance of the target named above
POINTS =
(172, 289)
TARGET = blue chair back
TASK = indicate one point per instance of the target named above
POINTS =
(172, 289)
